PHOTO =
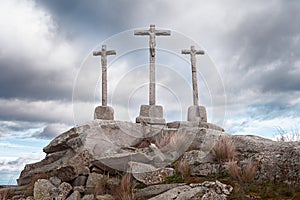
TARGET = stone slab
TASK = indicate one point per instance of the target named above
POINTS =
(104, 113)
(197, 113)
(151, 114)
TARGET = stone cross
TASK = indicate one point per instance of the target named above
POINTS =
(193, 52)
(104, 53)
(152, 32)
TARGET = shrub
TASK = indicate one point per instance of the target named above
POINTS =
(243, 175)
(126, 189)
(184, 169)
(283, 135)
(224, 150)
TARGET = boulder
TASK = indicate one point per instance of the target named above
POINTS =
(74, 196)
(148, 174)
(208, 190)
(44, 189)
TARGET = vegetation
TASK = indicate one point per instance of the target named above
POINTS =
(224, 150)
(284, 135)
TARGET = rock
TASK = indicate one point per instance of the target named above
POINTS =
(148, 174)
(44, 189)
(207, 190)
(197, 113)
(108, 147)
(55, 181)
(151, 114)
(79, 181)
(93, 180)
(64, 189)
(104, 197)
(74, 196)
(153, 190)
(104, 112)
(30, 198)
(88, 197)
(79, 189)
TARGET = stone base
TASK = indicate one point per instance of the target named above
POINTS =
(151, 114)
(104, 112)
(197, 113)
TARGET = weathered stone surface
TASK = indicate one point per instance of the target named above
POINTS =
(151, 114)
(80, 180)
(93, 180)
(104, 197)
(197, 113)
(107, 147)
(63, 190)
(43, 189)
(200, 124)
(154, 190)
(104, 112)
(74, 196)
(148, 174)
(88, 197)
(277, 162)
(55, 181)
(207, 190)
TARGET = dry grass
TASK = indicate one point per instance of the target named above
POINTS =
(173, 141)
(5, 193)
(249, 172)
(126, 189)
(184, 169)
(102, 186)
(234, 170)
(224, 150)
(243, 175)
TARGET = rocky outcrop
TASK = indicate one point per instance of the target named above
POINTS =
(88, 161)
(207, 190)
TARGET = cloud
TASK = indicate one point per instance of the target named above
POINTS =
(36, 111)
(51, 131)
(37, 62)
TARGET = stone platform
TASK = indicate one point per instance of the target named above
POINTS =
(104, 113)
(197, 113)
(151, 114)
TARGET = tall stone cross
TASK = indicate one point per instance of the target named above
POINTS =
(152, 32)
(193, 52)
(104, 53)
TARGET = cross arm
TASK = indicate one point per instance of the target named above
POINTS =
(185, 52)
(162, 32)
(111, 52)
(97, 53)
(200, 52)
(141, 32)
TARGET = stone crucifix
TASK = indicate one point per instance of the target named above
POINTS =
(152, 32)
(104, 53)
(193, 52)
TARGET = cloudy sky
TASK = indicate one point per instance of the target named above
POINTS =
(49, 81)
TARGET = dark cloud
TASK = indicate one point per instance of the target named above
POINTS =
(19, 80)
(51, 131)
(265, 46)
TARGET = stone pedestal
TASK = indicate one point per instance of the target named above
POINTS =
(197, 113)
(151, 114)
(104, 112)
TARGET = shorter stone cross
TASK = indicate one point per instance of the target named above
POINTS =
(193, 52)
(104, 53)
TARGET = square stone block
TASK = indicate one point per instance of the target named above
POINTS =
(197, 113)
(151, 114)
(104, 112)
